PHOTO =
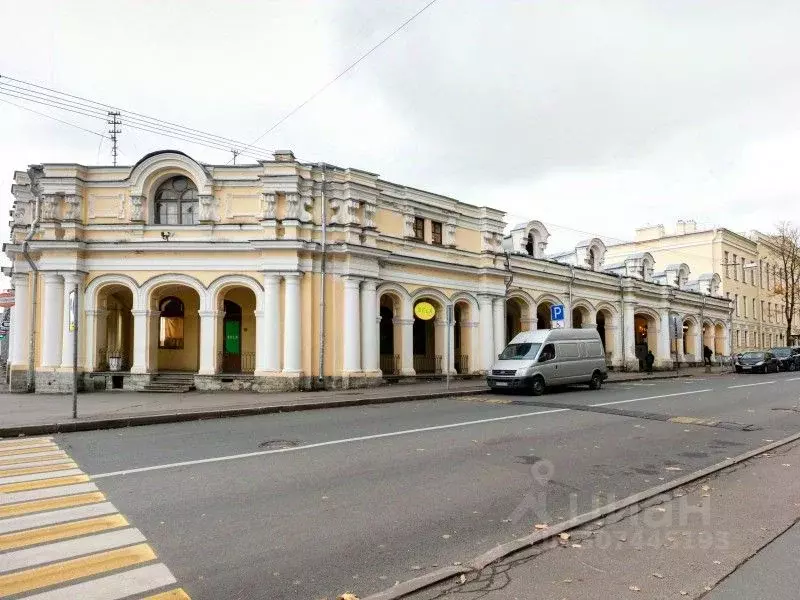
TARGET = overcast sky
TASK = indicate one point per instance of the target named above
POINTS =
(595, 116)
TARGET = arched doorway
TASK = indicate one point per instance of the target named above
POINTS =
(708, 337)
(114, 328)
(389, 332)
(428, 336)
(645, 327)
(175, 329)
(580, 317)
(691, 353)
(605, 320)
(236, 348)
(543, 315)
(719, 341)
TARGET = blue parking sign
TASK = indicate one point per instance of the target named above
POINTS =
(557, 312)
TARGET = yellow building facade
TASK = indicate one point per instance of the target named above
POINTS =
(747, 265)
(284, 275)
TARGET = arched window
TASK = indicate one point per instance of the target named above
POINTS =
(176, 202)
(591, 258)
(529, 246)
(170, 326)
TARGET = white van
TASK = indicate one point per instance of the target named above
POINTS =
(535, 360)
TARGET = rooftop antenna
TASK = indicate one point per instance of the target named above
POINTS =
(114, 122)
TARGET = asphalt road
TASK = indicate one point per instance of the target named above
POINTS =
(354, 499)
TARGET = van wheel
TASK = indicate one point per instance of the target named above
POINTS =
(596, 382)
(537, 386)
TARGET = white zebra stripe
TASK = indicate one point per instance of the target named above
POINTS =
(38, 476)
(56, 516)
(113, 587)
(51, 492)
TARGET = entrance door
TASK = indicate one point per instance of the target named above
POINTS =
(232, 338)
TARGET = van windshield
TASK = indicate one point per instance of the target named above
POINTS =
(520, 351)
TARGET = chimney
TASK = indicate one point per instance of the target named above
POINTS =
(684, 227)
(284, 156)
(654, 232)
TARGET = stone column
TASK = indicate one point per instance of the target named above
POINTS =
(451, 362)
(67, 346)
(52, 315)
(628, 323)
(292, 332)
(370, 318)
(20, 321)
(269, 361)
(209, 344)
(407, 351)
(141, 340)
(664, 347)
(499, 326)
(614, 333)
(351, 325)
(486, 333)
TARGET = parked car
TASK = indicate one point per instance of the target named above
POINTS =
(757, 362)
(787, 360)
(534, 360)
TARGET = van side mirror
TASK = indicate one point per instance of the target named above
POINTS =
(499, 357)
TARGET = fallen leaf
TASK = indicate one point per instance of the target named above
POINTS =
(416, 568)
(623, 539)
(674, 469)
(463, 579)
(568, 581)
(658, 575)
(348, 596)
(767, 440)
(684, 593)
(786, 465)
(661, 509)
(707, 588)
(633, 588)
(705, 488)
(446, 536)
(716, 562)
(577, 546)
(541, 526)
(564, 536)
(457, 563)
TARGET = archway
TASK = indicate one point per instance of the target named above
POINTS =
(605, 320)
(462, 336)
(389, 334)
(428, 335)
(708, 336)
(114, 328)
(236, 332)
(175, 328)
(691, 353)
(645, 328)
(543, 315)
(580, 317)
(719, 340)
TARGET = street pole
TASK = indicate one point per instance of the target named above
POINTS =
(74, 323)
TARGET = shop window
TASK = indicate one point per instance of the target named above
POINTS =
(170, 326)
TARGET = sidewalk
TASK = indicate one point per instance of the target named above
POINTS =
(726, 530)
(50, 413)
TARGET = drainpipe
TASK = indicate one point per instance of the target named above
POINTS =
(571, 281)
(622, 322)
(321, 378)
(34, 289)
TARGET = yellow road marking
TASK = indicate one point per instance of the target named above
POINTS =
(76, 568)
(22, 459)
(32, 470)
(51, 504)
(177, 594)
(29, 450)
(51, 533)
(43, 483)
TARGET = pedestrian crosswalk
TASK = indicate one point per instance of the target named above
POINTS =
(60, 538)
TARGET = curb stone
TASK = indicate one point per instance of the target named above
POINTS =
(654, 495)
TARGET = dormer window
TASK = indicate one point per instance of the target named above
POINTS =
(176, 202)
(591, 258)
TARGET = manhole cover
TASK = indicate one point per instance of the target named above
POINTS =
(278, 444)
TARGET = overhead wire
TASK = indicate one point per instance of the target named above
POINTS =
(52, 117)
(341, 74)
(98, 110)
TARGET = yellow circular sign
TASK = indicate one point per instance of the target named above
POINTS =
(424, 311)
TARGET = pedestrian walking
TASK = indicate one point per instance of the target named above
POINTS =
(707, 354)
(650, 359)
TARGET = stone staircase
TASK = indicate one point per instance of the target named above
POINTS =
(171, 383)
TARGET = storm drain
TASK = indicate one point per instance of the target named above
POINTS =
(637, 414)
(279, 444)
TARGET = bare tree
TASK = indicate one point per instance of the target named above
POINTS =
(787, 284)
